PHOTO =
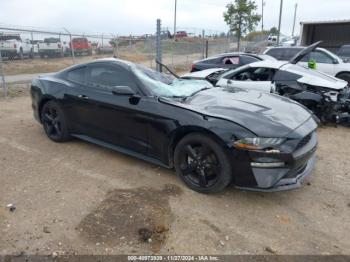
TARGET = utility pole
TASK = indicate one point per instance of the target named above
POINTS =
(262, 15)
(295, 17)
(71, 44)
(279, 23)
(3, 76)
(175, 14)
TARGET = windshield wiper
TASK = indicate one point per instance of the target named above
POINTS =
(167, 68)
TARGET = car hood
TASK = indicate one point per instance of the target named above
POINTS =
(264, 114)
(315, 77)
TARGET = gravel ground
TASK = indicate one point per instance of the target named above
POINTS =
(78, 198)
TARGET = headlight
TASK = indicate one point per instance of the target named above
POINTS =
(258, 143)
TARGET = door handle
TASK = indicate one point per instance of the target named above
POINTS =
(83, 97)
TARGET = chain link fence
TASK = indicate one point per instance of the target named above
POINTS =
(40, 50)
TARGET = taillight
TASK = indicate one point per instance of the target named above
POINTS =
(14, 45)
(193, 67)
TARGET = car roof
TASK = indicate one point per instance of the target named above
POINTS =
(111, 60)
(229, 54)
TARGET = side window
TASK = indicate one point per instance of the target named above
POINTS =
(321, 57)
(231, 60)
(290, 53)
(212, 61)
(109, 76)
(77, 75)
(248, 60)
(276, 53)
(282, 75)
(254, 74)
(262, 74)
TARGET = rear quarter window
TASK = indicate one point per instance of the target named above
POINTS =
(282, 75)
(77, 75)
(248, 60)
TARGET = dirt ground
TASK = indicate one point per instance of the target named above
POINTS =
(78, 198)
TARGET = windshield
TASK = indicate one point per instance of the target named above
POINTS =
(51, 40)
(167, 86)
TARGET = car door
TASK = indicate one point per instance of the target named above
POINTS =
(252, 78)
(324, 62)
(107, 117)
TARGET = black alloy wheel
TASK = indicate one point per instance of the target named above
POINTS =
(54, 122)
(202, 163)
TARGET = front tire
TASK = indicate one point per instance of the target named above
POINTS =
(202, 164)
(20, 55)
(54, 122)
(344, 76)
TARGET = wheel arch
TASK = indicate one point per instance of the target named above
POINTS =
(42, 102)
(343, 72)
(183, 131)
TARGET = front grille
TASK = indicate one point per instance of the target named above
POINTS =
(304, 141)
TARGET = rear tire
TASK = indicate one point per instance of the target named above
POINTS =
(202, 164)
(54, 122)
(20, 55)
(344, 76)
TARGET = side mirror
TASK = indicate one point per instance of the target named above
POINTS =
(335, 61)
(123, 91)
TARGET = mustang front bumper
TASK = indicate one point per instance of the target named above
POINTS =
(278, 171)
(287, 183)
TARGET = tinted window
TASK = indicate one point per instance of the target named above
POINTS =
(231, 60)
(321, 57)
(282, 75)
(248, 60)
(275, 52)
(344, 51)
(254, 74)
(212, 61)
(77, 75)
(284, 54)
(105, 75)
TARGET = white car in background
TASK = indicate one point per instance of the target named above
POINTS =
(51, 47)
(328, 97)
(326, 61)
(11, 46)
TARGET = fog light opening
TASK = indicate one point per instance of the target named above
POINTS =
(267, 165)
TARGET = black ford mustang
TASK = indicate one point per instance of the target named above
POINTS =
(212, 136)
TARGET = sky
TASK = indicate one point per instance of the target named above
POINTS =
(125, 17)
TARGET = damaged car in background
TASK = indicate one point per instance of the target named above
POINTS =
(213, 137)
(328, 97)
